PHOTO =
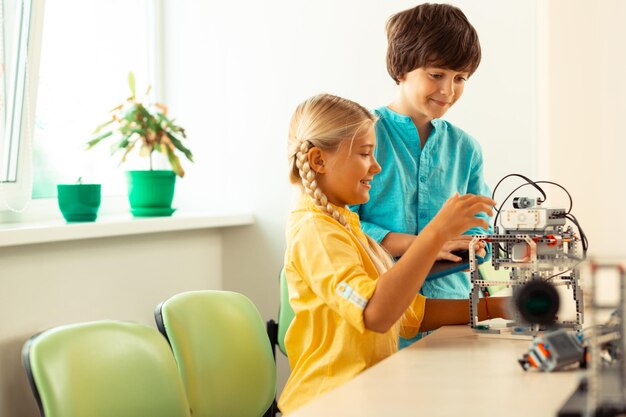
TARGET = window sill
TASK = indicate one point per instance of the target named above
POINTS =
(16, 234)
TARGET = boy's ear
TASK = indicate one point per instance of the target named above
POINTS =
(316, 160)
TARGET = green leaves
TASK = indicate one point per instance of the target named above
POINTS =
(138, 122)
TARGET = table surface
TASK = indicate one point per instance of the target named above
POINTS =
(452, 372)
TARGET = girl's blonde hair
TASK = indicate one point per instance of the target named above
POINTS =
(325, 121)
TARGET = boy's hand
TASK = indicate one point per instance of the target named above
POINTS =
(460, 242)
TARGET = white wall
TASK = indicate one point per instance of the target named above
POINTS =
(587, 92)
(235, 72)
(121, 278)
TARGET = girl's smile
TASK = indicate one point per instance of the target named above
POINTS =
(345, 174)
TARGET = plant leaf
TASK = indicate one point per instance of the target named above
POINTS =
(102, 126)
(93, 142)
(145, 150)
(131, 83)
(175, 163)
(117, 108)
(128, 149)
(179, 145)
(123, 143)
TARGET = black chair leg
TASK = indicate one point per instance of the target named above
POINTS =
(272, 333)
(272, 411)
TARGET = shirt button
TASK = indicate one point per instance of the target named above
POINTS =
(422, 179)
(422, 215)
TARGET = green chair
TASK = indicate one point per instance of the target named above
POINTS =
(104, 369)
(277, 329)
(223, 353)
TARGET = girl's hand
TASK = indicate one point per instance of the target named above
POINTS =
(459, 243)
(458, 214)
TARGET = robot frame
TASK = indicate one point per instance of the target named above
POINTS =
(542, 252)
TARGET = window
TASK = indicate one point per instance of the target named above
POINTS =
(88, 49)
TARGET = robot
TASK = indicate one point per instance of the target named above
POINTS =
(558, 349)
(542, 252)
(602, 391)
(554, 351)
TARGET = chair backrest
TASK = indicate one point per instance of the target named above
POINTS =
(285, 312)
(104, 369)
(223, 352)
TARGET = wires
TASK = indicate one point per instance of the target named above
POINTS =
(528, 181)
(583, 237)
(566, 271)
(568, 215)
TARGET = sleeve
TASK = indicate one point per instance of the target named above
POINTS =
(330, 263)
(373, 230)
(412, 319)
(477, 185)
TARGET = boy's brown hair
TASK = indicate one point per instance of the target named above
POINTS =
(437, 35)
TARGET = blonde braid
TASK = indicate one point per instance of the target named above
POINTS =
(310, 185)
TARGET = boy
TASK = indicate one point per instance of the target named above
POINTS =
(432, 51)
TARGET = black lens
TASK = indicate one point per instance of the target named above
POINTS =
(537, 302)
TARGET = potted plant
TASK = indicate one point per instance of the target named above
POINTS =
(79, 202)
(139, 125)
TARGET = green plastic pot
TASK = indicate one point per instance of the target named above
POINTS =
(79, 202)
(150, 193)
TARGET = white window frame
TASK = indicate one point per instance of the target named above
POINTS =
(15, 153)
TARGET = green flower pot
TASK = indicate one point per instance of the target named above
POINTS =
(79, 202)
(150, 193)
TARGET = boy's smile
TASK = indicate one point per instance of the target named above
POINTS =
(427, 93)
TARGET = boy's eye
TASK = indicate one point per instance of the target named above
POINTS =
(461, 79)
(436, 76)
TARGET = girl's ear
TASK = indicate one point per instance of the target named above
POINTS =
(316, 160)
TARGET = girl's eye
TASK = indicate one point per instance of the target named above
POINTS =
(365, 155)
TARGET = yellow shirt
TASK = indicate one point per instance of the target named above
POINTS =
(331, 278)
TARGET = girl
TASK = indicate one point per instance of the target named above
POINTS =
(350, 301)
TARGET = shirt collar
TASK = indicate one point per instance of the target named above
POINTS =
(403, 118)
(352, 218)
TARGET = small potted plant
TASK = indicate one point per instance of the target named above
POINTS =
(79, 202)
(139, 125)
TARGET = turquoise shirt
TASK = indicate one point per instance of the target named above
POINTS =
(415, 183)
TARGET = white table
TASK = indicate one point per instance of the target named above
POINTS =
(453, 372)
